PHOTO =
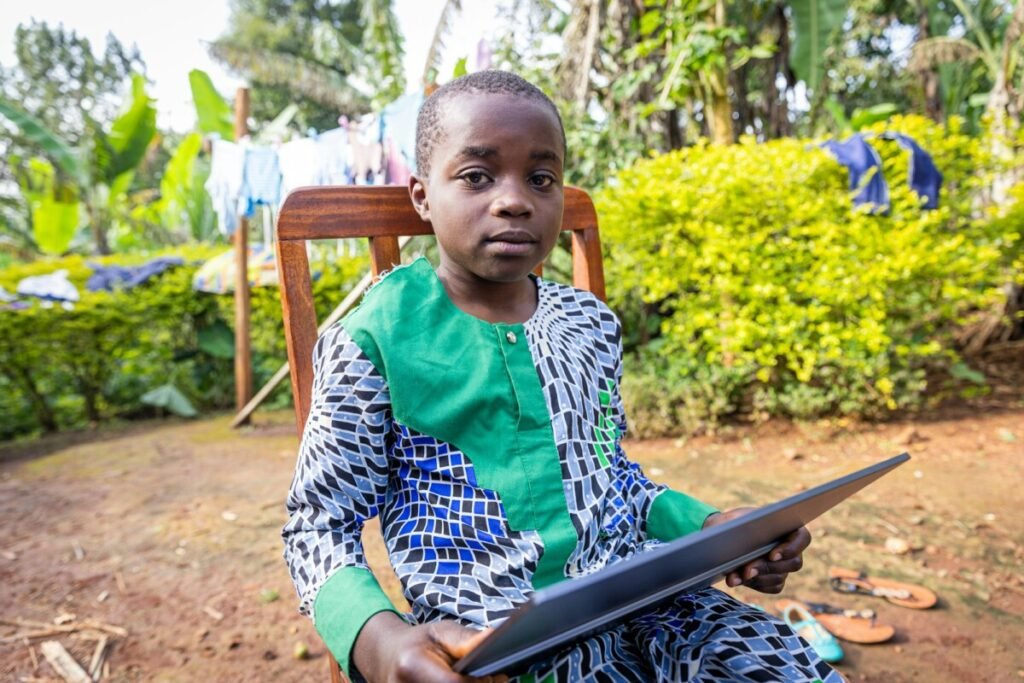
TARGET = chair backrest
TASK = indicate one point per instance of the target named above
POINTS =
(381, 214)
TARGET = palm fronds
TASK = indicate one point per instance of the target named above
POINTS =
(929, 53)
(317, 82)
(436, 51)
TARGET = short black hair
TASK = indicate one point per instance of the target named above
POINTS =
(429, 127)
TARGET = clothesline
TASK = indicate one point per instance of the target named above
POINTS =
(375, 149)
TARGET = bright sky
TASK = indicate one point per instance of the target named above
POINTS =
(170, 36)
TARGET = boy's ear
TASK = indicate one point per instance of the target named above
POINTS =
(418, 195)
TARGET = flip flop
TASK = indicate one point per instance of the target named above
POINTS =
(856, 626)
(896, 592)
(803, 623)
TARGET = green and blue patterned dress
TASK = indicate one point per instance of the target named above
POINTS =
(491, 454)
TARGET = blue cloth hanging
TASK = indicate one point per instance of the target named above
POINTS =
(860, 158)
(261, 182)
(925, 178)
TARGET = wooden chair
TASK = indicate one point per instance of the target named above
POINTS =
(382, 214)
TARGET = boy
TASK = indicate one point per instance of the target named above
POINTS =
(477, 410)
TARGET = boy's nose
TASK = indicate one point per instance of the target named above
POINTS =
(512, 201)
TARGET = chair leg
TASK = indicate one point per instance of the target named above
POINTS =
(336, 675)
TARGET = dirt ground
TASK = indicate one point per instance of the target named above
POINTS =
(170, 530)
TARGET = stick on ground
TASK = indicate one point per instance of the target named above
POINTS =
(63, 663)
(98, 655)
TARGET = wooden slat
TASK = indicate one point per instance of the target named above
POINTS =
(384, 254)
(311, 213)
(299, 323)
(315, 213)
(587, 270)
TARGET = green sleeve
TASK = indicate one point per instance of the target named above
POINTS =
(675, 514)
(343, 606)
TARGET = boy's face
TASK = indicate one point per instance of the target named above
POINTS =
(494, 190)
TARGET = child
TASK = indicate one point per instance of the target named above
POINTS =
(477, 410)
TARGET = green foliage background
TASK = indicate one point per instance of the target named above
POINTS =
(63, 369)
(752, 285)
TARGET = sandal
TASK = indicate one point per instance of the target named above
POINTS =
(803, 623)
(856, 626)
(896, 592)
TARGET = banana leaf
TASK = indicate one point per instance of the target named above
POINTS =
(213, 112)
(131, 132)
(218, 340)
(51, 144)
(815, 22)
(862, 118)
(170, 398)
(54, 207)
(54, 223)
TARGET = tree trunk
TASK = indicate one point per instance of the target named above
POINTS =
(1003, 113)
(718, 107)
(44, 414)
(778, 110)
(97, 227)
(673, 135)
(929, 77)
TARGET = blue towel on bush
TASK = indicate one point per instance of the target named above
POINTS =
(109, 278)
(860, 158)
(925, 178)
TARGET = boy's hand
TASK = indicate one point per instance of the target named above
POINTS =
(766, 575)
(390, 651)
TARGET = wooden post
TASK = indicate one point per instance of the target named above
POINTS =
(243, 359)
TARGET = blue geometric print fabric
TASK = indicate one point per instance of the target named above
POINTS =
(704, 637)
(447, 539)
(576, 342)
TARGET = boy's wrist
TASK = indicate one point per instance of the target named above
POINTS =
(372, 650)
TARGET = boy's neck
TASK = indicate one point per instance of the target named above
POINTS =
(494, 302)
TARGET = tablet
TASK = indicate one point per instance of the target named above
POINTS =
(556, 616)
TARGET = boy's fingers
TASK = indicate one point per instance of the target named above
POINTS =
(788, 566)
(754, 569)
(769, 584)
(458, 641)
(791, 546)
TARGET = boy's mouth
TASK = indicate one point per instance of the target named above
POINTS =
(512, 242)
(513, 236)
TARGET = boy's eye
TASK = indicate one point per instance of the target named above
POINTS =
(542, 180)
(474, 177)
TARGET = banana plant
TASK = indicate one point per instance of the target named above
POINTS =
(815, 22)
(213, 113)
(64, 182)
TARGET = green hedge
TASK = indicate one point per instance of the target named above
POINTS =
(61, 369)
(749, 285)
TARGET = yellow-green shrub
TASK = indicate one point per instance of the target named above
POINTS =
(61, 369)
(771, 294)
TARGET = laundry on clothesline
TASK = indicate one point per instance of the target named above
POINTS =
(224, 185)
(334, 157)
(261, 183)
(861, 160)
(376, 149)
(399, 134)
